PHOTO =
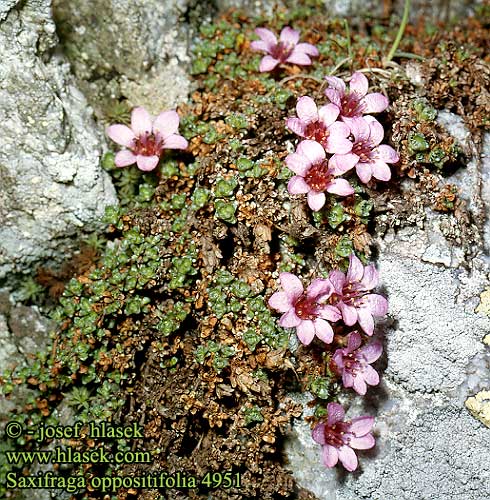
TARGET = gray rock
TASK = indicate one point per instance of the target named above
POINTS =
(132, 49)
(485, 189)
(52, 184)
(24, 331)
(436, 10)
(30, 330)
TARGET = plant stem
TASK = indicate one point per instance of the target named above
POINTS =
(401, 29)
(347, 31)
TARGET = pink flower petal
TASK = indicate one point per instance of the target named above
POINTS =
(268, 63)
(337, 278)
(354, 341)
(267, 36)
(360, 426)
(336, 83)
(312, 150)
(141, 121)
(376, 132)
(147, 163)
(364, 172)
(289, 36)
(340, 187)
(280, 301)
(330, 456)
(339, 129)
(330, 313)
(387, 153)
(338, 359)
(328, 114)
(297, 185)
(318, 434)
(341, 163)
(360, 129)
(347, 379)
(166, 123)
(381, 171)
(319, 288)
(259, 45)
(377, 304)
(334, 96)
(359, 84)
(124, 158)
(121, 134)
(323, 330)
(366, 320)
(175, 141)
(356, 269)
(316, 200)
(308, 48)
(305, 331)
(348, 458)
(362, 443)
(335, 413)
(296, 126)
(336, 144)
(349, 313)
(372, 351)
(359, 385)
(292, 285)
(298, 57)
(370, 277)
(298, 163)
(375, 103)
(289, 319)
(307, 109)
(371, 375)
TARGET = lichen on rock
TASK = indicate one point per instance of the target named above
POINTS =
(479, 406)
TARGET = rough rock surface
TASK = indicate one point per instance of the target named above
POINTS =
(23, 332)
(134, 50)
(436, 10)
(429, 446)
(51, 183)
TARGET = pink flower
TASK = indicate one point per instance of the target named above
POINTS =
(147, 138)
(315, 174)
(339, 439)
(287, 50)
(305, 311)
(319, 125)
(368, 156)
(353, 363)
(352, 296)
(354, 102)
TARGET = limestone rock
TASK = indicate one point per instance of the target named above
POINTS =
(132, 49)
(436, 10)
(52, 186)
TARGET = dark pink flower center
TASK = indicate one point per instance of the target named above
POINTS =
(282, 51)
(352, 292)
(338, 434)
(319, 176)
(353, 364)
(306, 308)
(148, 144)
(363, 149)
(316, 131)
(351, 105)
